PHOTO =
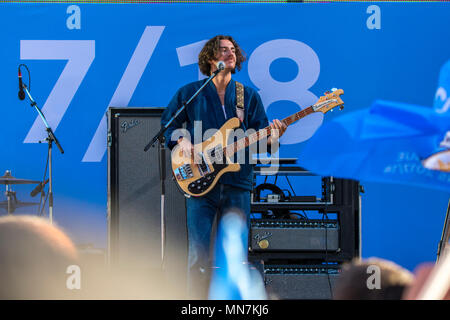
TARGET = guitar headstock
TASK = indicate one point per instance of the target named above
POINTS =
(329, 101)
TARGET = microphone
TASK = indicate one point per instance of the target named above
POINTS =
(39, 188)
(220, 66)
(21, 92)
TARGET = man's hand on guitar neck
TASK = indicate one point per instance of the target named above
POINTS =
(277, 130)
(188, 150)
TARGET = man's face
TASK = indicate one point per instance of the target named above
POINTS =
(226, 54)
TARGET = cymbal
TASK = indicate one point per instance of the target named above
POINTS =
(17, 204)
(7, 178)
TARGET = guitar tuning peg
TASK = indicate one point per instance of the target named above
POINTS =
(333, 89)
(341, 107)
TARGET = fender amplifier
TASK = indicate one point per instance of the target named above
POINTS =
(294, 235)
(135, 205)
(301, 281)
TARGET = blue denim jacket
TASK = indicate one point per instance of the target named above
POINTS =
(207, 108)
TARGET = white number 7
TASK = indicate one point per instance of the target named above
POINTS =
(79, 55)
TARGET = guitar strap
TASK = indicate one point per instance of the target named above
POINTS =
(240, 101)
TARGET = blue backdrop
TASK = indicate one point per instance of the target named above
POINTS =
(86, 57)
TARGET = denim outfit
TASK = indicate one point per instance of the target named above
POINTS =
(233, 188)
(201, 213)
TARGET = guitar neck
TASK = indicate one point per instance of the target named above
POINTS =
(240, 144)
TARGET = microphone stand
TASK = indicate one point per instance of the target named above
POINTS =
(162, 177)
(162, 156)
(443, 243)
(50, 139)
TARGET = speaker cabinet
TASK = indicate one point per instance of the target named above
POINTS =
(302, 282)
(134, 196)
(290, 235)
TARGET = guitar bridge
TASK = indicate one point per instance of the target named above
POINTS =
(183, 172)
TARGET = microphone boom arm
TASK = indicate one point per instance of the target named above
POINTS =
(51, 134)
(159, 135)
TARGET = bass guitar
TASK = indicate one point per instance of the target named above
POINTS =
(196, 176)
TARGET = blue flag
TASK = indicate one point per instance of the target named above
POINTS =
(442, 97)
(232, 278)
(385, 143)
(441, 159)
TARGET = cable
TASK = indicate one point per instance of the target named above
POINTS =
(325, 214)
(301, 216)
(29, 75)
(290, 194)
(43, 205)
(293, 191)
(305, 214)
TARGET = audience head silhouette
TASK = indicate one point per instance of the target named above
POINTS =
(34, 257)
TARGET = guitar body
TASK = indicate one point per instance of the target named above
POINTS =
(198, 177)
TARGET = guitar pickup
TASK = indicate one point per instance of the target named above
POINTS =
(203, 167)
(183, 172)
(216, 154)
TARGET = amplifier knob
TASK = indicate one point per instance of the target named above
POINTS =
(263, 244)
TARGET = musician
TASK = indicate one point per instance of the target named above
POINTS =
(215, 104)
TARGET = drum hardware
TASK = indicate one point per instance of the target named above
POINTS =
(11, 204)
(8, 179)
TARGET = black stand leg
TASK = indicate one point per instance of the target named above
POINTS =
(9, 195)
(162, 177)
(445, 234)
(50, 183)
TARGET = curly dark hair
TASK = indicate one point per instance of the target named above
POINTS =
(210, 51)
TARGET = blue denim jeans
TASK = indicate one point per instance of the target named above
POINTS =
(201, 212)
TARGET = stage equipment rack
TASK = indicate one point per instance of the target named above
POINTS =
(302, 252)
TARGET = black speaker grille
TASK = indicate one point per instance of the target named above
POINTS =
(135, 195)
(139, 190)
(300, 282)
